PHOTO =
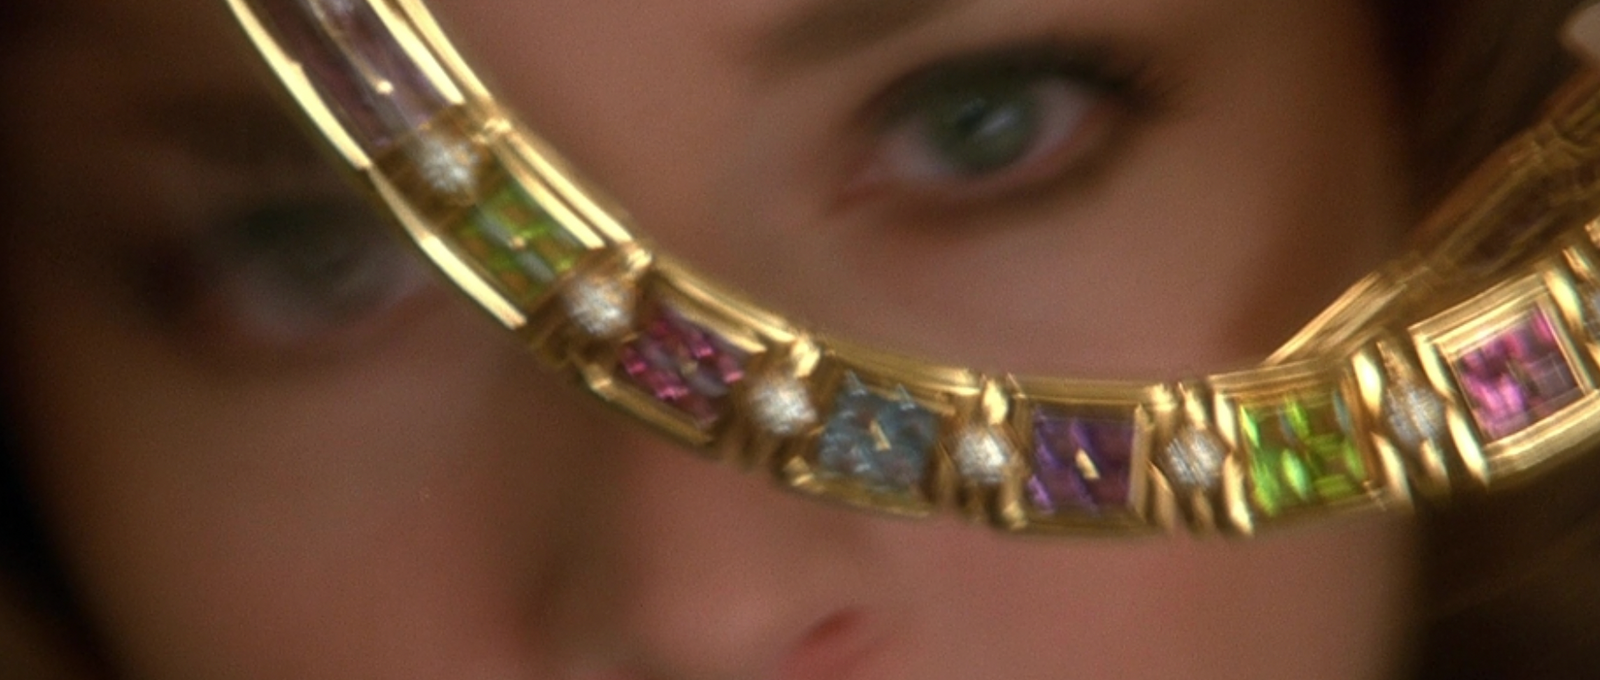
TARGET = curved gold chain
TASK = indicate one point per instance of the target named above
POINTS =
(1470, 363)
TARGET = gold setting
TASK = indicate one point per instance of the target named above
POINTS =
(1448, 339)
(1352, 476)
(941, 392)
(669, 290)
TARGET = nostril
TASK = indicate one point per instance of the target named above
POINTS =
(836, 648)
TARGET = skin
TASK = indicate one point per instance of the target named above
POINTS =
(398, 492)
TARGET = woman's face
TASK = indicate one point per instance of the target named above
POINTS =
(271, 445)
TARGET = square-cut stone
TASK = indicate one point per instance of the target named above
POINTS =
(880, 441)
(358, 67)
(1081, 464)
(1302, 450)
(683, 365)
(530, 240)
(1516, 377)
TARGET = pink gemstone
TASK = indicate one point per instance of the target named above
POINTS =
(684, 366)
(1517, 377)
(357, 66)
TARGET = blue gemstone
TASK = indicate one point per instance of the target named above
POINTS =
(884, 443)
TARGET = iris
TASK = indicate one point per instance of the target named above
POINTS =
(984, 126)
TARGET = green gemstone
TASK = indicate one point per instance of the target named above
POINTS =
(518, 241)
(1302, 450)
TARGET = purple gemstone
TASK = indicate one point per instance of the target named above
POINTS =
(683, 365)
(357, 66)
(1516, 378)
(1080, 464)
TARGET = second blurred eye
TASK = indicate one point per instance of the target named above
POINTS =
(287, 277)
(316, 260)
(301, 272)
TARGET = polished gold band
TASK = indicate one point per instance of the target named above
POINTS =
(1466, 365)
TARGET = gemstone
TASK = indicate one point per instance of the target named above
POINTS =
(1080, 464)
(1516, 377)
(602, 307)
(982, 455)
(357, 66)
(781, 405)
(506, 267)
(1193, 459)
(448, 164)
(536, 244)
(683, 365)
(336, 8)
(1415, 414)
(880, 441)
(1302, 450)
(1591, 311)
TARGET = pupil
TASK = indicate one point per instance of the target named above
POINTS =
(984, 131)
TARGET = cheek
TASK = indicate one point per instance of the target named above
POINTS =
(377, 508)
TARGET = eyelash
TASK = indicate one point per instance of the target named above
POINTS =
(1098, 91)
(290, 277)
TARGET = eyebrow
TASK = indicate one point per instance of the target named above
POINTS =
(827, 30)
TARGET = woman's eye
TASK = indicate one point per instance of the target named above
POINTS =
(975, 129)
(287, 277)
(989, 128)
(313, 261)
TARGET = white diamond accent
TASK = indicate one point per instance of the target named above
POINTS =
(338, 8)
(1194, 458)
(448, 165)
(781, 405)
(603, 308)
(982, 455)
(1415, 414)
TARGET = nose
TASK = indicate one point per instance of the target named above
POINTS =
(695, 570)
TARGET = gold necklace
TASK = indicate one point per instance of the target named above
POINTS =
(1468, 364)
